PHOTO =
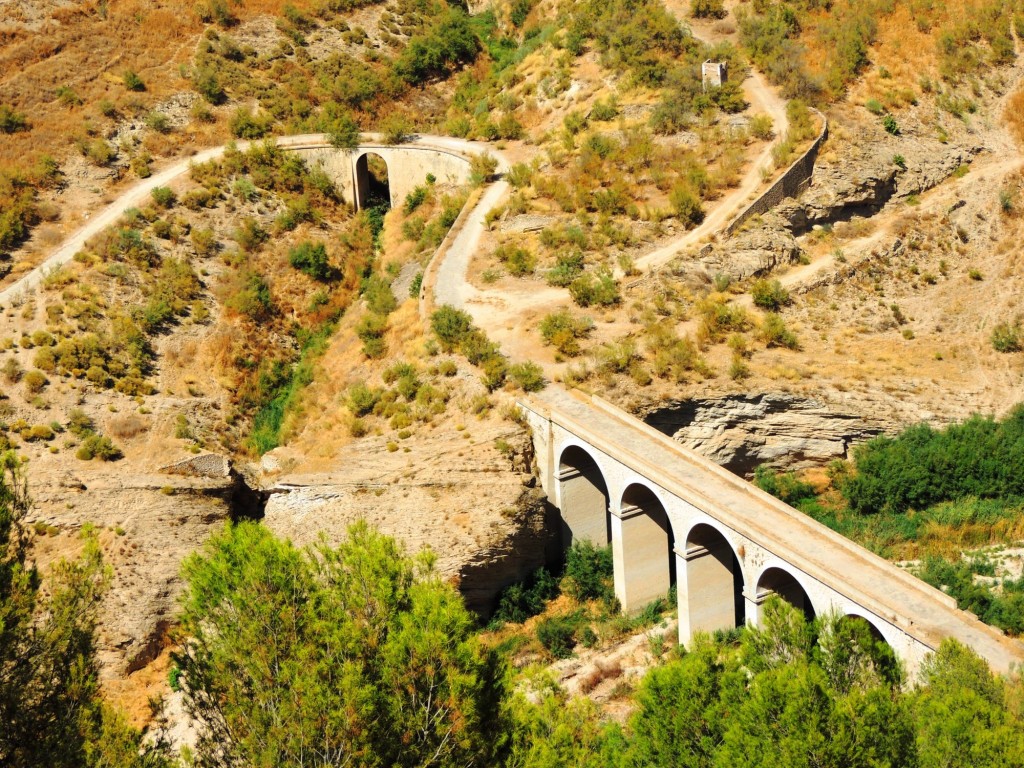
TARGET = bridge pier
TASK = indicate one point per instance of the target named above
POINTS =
(704, 606)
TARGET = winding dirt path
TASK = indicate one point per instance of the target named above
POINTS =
(139, 194)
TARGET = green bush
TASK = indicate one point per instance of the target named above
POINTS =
(35, 381)
(449, 42)
(362, 399)
(785, 486)
(132, 81)
(528, 376)
(775, 333)
(518, 602)
(588, 573)
(923, 466)
(558, 635)
(708, 9)
(98, 447)
(11, 121)
(1006, 337)
(246, 125)
(761, 127)
(164, 197)
(769, 294)
(311, 259)
(687, 206)
(563, 330)
(519, 261)
(599, 289)
(890, 125)
(568, 267)
(451, 326)
(415, 199)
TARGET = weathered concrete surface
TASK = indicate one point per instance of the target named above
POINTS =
(778, 549)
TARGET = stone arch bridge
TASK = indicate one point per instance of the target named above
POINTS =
(408, 165)
(673, 517)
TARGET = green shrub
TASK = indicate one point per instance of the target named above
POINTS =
(362, 399)
(775, 333)
(599, 289)
(164, 197)
(687, 206)
(311, 259)
(451, 326)
(246, 125)
(785, 486)
(761, 127)
(518, 602)
(379, 296)
(132, 81)
(252, 298)
(1006, 337)
(588, 573)
(415, 199)
(923, 466)
(35, 381)
(890, 125)
(449, 42)
(98, 447)
(528, 376)
(563, 330)
(558, 635)
(11, 121)
(769, 294)
(568, 267)
(158, 122)
(370, 331)
(708, 9)
(518, 261)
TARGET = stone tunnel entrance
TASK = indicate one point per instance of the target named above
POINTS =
(373, 187)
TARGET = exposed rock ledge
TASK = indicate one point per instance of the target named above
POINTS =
(742, 431)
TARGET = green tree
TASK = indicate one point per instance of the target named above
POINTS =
(50, 706)
(358, 655)
(961, 713)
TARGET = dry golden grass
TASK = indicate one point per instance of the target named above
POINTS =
(88, 50)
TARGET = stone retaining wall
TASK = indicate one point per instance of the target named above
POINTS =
(792, 183)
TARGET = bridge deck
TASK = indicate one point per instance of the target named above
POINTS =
(921, 611)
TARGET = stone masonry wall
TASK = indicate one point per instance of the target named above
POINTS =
(794, 181)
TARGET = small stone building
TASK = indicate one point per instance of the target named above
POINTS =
(714, 73)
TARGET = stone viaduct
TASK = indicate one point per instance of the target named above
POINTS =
(675, 518)
(407, 164)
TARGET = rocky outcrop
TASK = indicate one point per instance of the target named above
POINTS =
(781, 430)
(473, 504)
(754, 250)
(864, 180)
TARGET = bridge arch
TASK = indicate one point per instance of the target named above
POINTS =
(643, 542)
(372, 180)
(779, 581)
(710, 583)
(583, 499)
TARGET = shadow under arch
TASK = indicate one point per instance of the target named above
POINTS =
(372, 181)
(777, 581)
(647, 548)
(583, 499)
(711, 587)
